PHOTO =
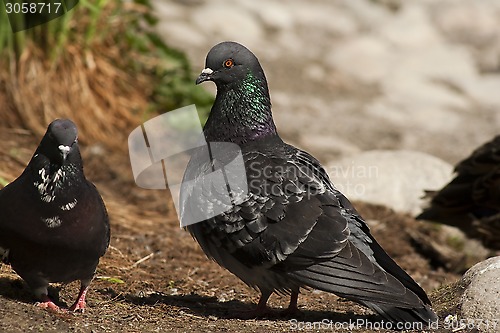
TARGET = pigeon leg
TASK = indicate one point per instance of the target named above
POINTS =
(47, 303)
(42, 294)
(80, 301)
(260, 311)
(292, 310)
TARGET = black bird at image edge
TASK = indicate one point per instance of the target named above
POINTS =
(292, 229)
(471, 200)
(54, 226)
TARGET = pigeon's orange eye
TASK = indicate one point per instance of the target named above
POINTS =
(229, 63)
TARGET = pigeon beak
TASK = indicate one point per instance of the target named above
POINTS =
(64, 151)
(204, 76)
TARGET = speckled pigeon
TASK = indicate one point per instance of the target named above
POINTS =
(471, 201)
(290, 228)
(53, 224)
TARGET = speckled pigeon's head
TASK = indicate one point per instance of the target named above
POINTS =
(228, 63)
(60, 141)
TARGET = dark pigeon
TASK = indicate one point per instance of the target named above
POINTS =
(471, 201)
(292, 229)
(54, 226)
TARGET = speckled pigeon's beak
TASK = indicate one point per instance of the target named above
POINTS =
(64, 151)
(205, 75)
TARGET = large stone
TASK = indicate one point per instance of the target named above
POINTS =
(366, 58)
(481, 298)
(411, 29)
(276, 16)
(396, 179)
(437, 76)
(180, 33)
(226, 22)
(322, 18)
(470, 22)
(423, 115)
(485, 89)
(324, 145)
(367, 13)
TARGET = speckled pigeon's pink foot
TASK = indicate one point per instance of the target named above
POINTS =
(47, 303)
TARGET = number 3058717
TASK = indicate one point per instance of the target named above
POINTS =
(32, 7)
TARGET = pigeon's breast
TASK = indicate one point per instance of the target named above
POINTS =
(257, 277)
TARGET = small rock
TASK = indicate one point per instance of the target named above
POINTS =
(481, 299)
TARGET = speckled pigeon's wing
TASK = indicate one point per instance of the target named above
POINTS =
(53, 223)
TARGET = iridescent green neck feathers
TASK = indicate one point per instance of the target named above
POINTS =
(241, 112)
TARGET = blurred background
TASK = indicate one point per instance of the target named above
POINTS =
(346, 78)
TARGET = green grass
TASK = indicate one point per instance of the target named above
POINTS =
(110, 279)
(92, 24)
(3, 182)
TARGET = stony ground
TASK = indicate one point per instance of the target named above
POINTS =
(345, 77)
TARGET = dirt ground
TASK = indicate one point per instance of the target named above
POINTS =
(154, 277)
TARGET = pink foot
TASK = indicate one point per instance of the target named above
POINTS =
(80, 301)
(47, 303)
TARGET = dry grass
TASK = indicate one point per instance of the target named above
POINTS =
(101, 98)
